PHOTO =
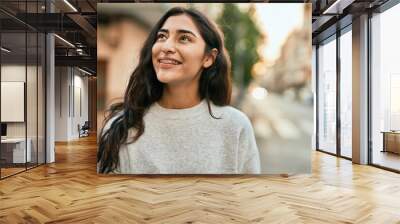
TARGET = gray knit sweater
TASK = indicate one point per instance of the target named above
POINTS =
(190, 141)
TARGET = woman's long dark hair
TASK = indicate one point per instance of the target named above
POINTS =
(144, 88)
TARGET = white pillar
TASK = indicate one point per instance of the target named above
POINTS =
(50, 93)
(360, 90)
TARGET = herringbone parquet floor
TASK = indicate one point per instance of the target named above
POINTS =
(70, 191)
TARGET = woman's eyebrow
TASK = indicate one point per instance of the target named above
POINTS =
(179, 31)
(186, 31)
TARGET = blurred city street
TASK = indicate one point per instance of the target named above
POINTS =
(283, 129)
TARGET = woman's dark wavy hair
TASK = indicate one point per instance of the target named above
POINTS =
(144, 88)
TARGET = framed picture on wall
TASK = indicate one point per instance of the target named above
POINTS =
(12, 101)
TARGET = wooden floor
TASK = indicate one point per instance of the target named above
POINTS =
(70, 191)
(10, 171)
(387, 159)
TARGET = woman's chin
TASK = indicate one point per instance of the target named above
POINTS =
(166, 78)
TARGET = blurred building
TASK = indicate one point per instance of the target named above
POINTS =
(292, 70)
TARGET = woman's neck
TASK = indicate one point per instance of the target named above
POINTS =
(179, 97)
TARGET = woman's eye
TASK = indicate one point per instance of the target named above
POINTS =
(185, 38)
(161, 36)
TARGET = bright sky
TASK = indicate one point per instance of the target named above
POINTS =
(277, 20)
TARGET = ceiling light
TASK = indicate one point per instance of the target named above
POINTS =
(86, 72)
(64, 40)
(337, 7)
(5, 49)
(71, 6)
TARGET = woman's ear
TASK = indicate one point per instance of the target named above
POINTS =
(210, 58)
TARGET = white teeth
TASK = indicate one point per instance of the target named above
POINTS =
(168, 61)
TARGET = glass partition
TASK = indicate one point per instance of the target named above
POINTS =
(13, 94)
(22, 90)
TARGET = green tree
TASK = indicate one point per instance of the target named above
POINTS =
(242, 37)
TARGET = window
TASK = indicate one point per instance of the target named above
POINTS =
(327, 96)
(385, 87)
(346, 93)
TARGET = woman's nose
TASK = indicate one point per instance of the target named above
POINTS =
(168, 46)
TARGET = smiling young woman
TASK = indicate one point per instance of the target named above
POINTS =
(176, 118)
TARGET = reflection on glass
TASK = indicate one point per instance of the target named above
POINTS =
(14, 146)
(346, 94)
(327, 97)
(386, 89)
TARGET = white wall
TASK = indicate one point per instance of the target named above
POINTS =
(80, 84)
(12, 73)
(70, 83)
(62, 81)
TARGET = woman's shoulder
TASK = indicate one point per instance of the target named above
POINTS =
(233, 116)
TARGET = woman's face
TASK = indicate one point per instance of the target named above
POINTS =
(178, 54)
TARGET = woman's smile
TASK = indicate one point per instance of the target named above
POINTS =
(167, 63)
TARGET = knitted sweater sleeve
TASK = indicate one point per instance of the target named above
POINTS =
(249, 158)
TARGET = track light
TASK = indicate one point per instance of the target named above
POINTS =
(64, 40)
(84, 71)
(337, 7)
(5, 50)
(70, 5)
